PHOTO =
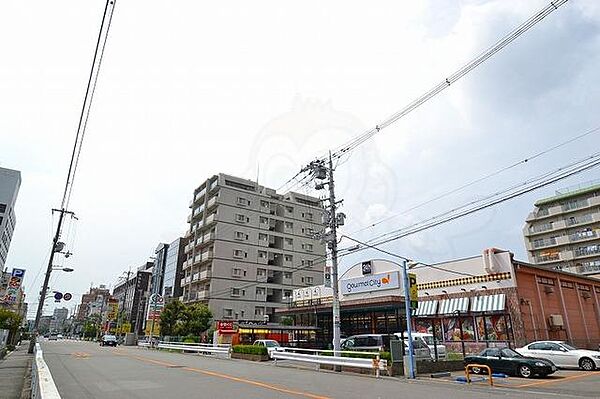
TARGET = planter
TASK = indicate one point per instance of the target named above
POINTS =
(246, 356)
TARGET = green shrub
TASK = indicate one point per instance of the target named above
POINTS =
(191, 339)
(250, 349)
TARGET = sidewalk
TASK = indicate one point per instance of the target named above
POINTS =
(13, 371)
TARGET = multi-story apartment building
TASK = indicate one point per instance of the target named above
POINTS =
(132, 295)
(249, 247)
(10, 181)
(158, 271)
(563, 231)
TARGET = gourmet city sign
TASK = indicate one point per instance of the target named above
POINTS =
(370, 283)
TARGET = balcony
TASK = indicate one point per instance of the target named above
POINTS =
(203, 294)
(592, 268)
(210, 219)
(547, 258)
(592, 250)
(205, 274)
(195, 277)
(211, 202)
(583, 236)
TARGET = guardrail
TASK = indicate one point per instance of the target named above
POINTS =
(42, 383)
(201, 349)
(314, 356)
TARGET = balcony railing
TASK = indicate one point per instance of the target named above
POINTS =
(547, 258)
(593, 250)
(544, 243)
(584, 235)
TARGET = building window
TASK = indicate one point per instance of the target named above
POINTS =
(237, 272)
(307, 280)
(260, 291)
(264, 204)
(261, 272)
(307, 215)
(241, 236)
(259, 311)
(227, 313)
(287, 275)
(263, 237)
(307, 247)
(288, 225)
(241, 218)
(288, 258)
(2, 208)
(289, 241)
(289, 209)
(243, 201)
(238, 253)
(262, 254)
(237, 292)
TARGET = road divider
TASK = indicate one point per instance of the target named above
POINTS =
(42, 383)
(201, 349)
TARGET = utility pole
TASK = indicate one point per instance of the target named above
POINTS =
(56, 247)
(333, 220)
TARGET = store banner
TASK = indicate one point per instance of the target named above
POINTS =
(12, 289)
(370, 283)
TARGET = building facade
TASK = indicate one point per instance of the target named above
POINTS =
(174, 269)
(132, 295)
(158, 271)
(467, 304)
(93, 302)
(564, 231)
(249, 247)
(10, 181)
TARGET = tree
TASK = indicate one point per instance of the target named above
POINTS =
(9, 320)
(287, 321)
(170, 317)
(196, 319)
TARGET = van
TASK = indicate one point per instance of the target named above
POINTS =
(428, 340)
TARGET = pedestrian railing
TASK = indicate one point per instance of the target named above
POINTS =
(318, 357)
(42, 383)
(201, 349)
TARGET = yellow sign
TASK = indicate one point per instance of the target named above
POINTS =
(113, 309)
(149, 327)
(414, 294)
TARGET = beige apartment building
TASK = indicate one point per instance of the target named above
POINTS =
(563, 231)
(250, 247)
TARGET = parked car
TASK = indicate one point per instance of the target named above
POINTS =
(381, 343)
(563, 355)
(270, 344)
(59, 336)
(428, 340)
(108, 340)
(52, 337)
(508, 361)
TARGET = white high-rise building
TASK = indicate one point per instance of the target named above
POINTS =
(10, 181)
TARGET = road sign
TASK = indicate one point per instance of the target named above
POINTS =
(58, 296)
(414, 294)
(67, 296)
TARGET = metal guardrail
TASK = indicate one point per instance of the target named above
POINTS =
(42, 383)
(314, 356)
(219, 349)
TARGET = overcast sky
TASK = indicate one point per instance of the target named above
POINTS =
(189, 89)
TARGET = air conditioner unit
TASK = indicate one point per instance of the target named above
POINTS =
(556, 320)
(548, 289)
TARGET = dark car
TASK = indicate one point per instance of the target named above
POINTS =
(108, 340)
(507, 361)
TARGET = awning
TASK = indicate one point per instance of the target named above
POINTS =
(426, 308)
(489, 303)
(453, 305)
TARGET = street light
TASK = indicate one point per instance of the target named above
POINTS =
(64, 269)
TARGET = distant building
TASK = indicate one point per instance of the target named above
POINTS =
(59, 317)
(173, 269)
(10, 181)
(132, 296)
(249, 247)
(93, 302)
(158, 272)
(563, 231)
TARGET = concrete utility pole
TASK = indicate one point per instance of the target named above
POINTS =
(333, 220)
(56, 247)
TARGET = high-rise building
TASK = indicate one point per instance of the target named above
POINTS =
(10, 181)
(93, 302)
(173, 269)
(158, 272)
(249, 247)
(563, 231)
(132, 295)
(57, 323)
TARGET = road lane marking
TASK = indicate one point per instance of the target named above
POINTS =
(572, 377)
(80, 355)
(227, 376)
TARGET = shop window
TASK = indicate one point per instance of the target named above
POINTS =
(468, 329)
(496, 326)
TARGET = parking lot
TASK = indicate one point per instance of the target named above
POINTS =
(563, 383)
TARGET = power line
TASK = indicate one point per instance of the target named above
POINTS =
(445, 83)
(482, 178)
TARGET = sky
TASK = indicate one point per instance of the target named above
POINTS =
(257, 89)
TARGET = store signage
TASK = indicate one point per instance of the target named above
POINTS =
(414, 293)
(224, 325)
(370, 283)
(12, 290)
(367, 267)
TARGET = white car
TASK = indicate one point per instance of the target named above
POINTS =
(562, 354)
(430, 342)
(270, 344)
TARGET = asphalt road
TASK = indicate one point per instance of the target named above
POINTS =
(86, 370)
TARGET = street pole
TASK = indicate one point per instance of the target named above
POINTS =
(334, 263)
(154, 300)
(411, 364)
(55, 249)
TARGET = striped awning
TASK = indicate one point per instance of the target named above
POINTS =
(453, 305)
(489, 303)
(426, 308)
